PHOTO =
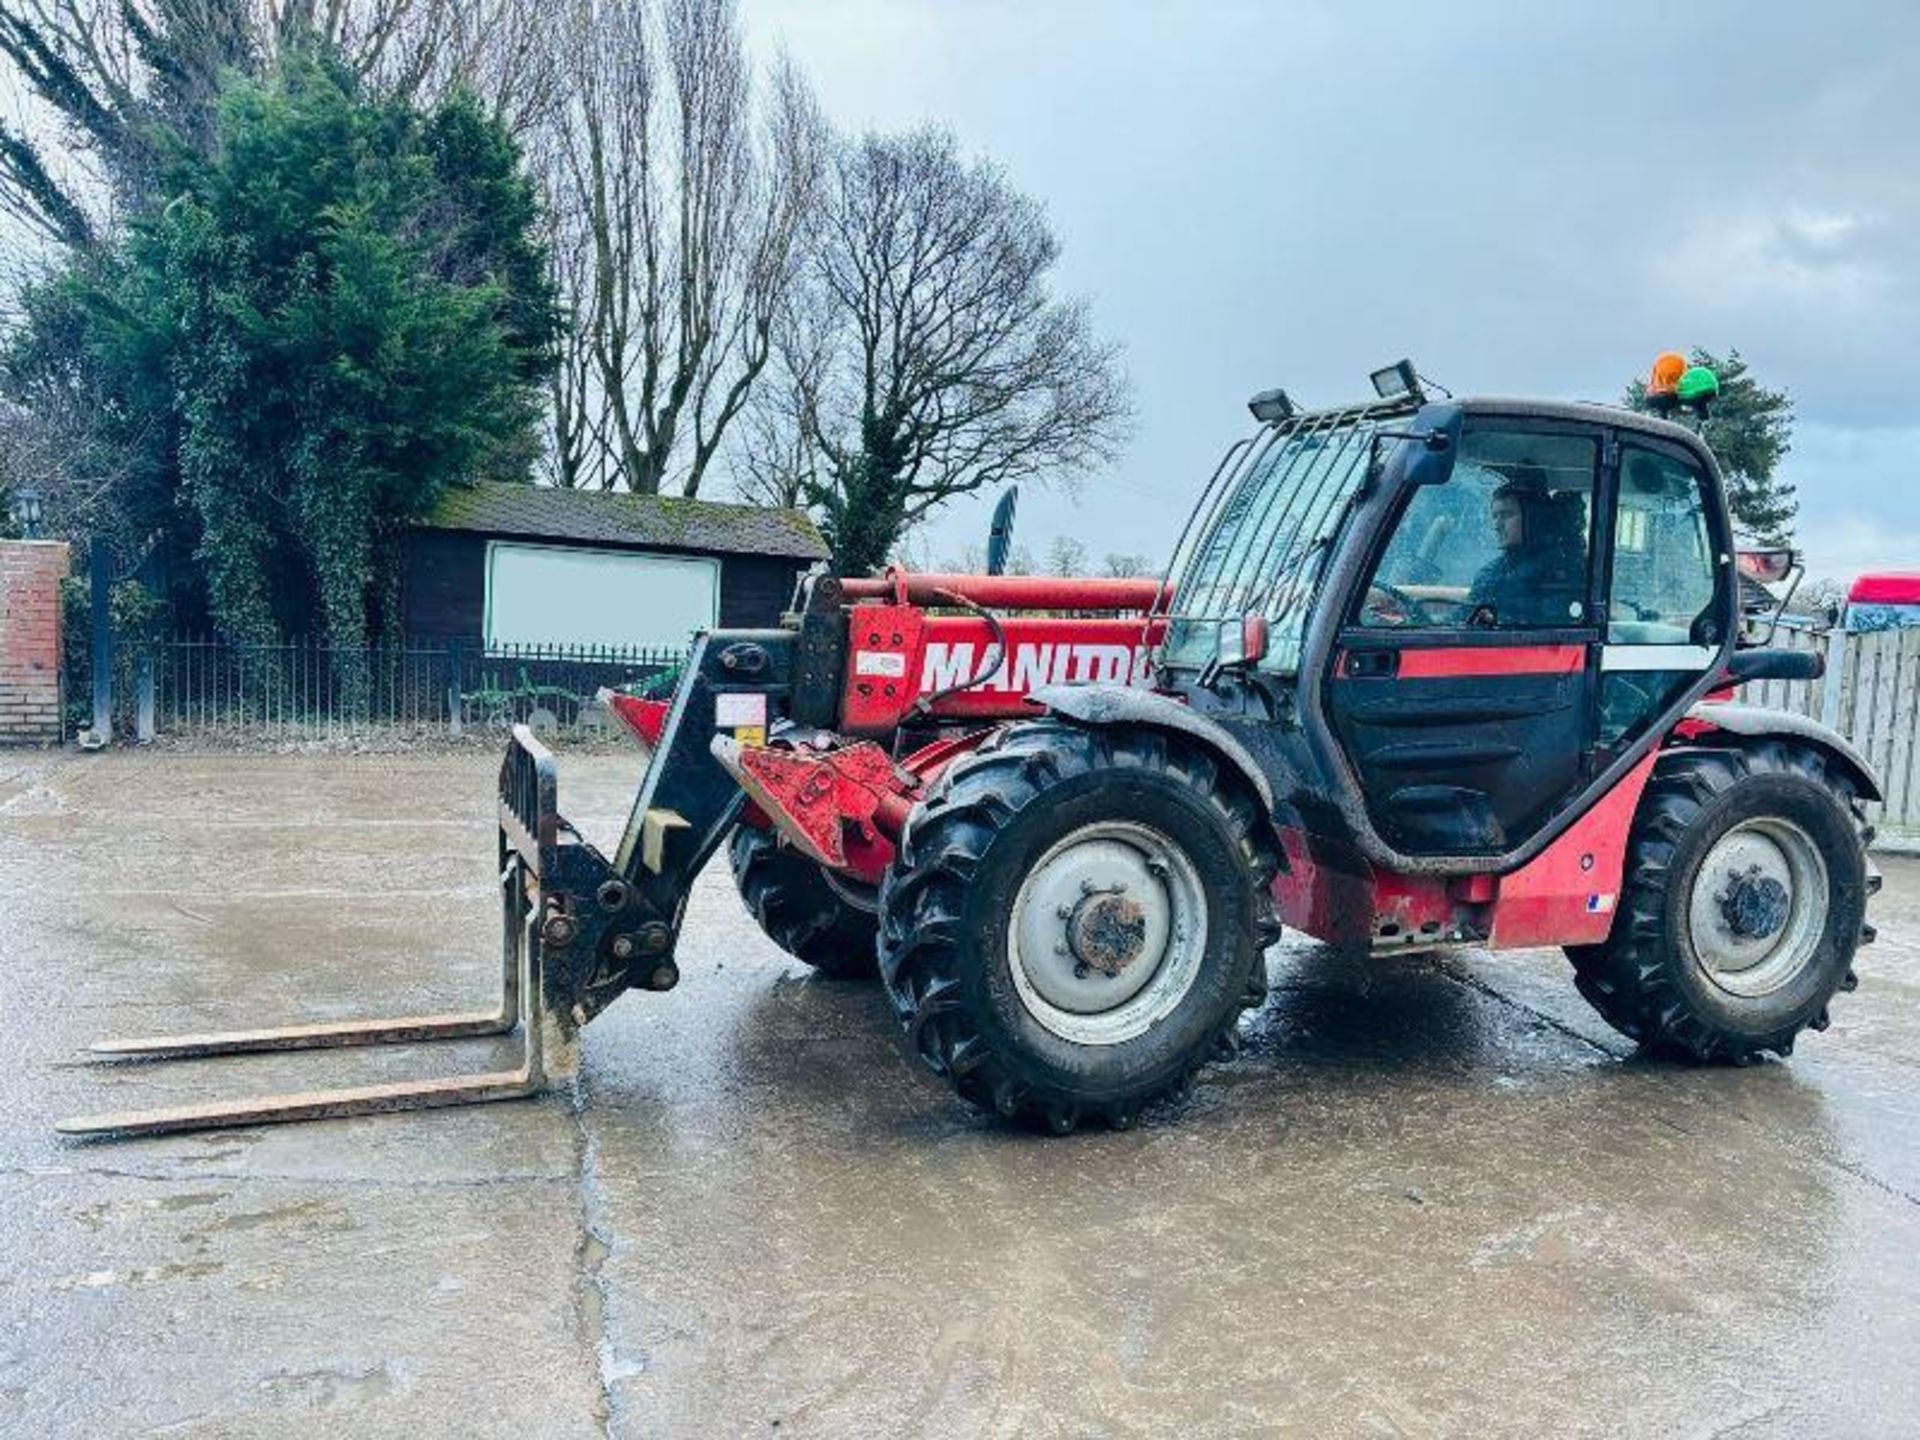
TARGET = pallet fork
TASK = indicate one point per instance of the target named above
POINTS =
(536, 850)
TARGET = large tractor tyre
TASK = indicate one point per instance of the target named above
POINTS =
(1076, 920)
(800, 909)
(1744, 902)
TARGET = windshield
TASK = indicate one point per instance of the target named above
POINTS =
(1260, 537)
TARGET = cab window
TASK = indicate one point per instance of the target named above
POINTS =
(1503, 544)
(1664, 576)
(1664, 623)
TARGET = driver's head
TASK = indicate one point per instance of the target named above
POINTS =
(1516, 503)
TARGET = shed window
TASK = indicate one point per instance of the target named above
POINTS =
(563, 595)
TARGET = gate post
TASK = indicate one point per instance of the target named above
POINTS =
(100, 582)
(143, 695)
(454, 717)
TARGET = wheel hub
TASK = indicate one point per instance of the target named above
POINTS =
(1107, 932)
(1756, 906)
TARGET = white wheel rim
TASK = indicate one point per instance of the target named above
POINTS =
(1760, 872)
(1107, 933)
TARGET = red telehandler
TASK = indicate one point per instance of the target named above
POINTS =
(1422, 673)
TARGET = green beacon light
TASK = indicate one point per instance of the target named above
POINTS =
(1698, 388)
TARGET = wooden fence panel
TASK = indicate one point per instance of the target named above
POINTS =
(1871, 695)
(1901, 717)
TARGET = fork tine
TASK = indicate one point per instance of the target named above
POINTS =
(311, 1105)
(395, 1030)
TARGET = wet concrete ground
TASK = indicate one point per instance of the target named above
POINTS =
(1432, 1197)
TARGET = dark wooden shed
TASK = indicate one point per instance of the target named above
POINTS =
(528, 564)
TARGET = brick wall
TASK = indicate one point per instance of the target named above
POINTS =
(30, 576)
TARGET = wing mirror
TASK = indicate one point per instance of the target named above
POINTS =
(1760, 610)
(1242, 641)
(1769, 567)
(1238, 643)
(1431, 442)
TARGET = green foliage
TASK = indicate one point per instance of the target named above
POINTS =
(335, 312)
(1749, 429)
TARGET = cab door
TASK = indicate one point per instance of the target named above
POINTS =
(1667, 602)
(1463, 686)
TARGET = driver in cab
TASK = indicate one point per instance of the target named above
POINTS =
(1539, 578)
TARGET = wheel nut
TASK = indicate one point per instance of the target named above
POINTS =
(624, 948)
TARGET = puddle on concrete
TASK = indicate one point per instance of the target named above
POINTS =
(144, 1275)
(330, 1389)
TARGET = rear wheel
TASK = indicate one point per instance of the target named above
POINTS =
(1075, 920)
(1744, 903)
(800, 909)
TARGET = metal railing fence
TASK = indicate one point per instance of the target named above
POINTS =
(309, 689)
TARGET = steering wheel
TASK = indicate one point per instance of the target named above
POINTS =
(1415, 610)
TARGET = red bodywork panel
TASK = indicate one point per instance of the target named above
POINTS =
(898, 654)
(1472, 662)
(820, 799)
(844, 807)
(1566, 895)
(647, 719)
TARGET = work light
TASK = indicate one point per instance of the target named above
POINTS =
(1273, 405)
(1392, 381)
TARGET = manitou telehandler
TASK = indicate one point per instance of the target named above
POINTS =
(1422, 673)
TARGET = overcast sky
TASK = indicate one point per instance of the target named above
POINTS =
(1524, 200)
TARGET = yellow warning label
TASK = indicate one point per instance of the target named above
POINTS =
(750, 734)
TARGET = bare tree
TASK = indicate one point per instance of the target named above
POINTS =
(773, 460)
(681, 190)
(1066, 556)
(1117, 566)
(102, 81)
(948, 365)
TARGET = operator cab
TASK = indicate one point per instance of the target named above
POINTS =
(1469, 614)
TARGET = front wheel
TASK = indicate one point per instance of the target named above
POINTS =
(799, 907)
(1075, 920)
(1744, 904)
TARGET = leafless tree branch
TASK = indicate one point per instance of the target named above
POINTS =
(935, 361)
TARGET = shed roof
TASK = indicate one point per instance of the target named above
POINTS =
(544, 512)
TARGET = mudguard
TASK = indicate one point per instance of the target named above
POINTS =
(1127, 705)
(1757, 720)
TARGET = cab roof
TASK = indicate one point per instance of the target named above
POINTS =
(1579, 412)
